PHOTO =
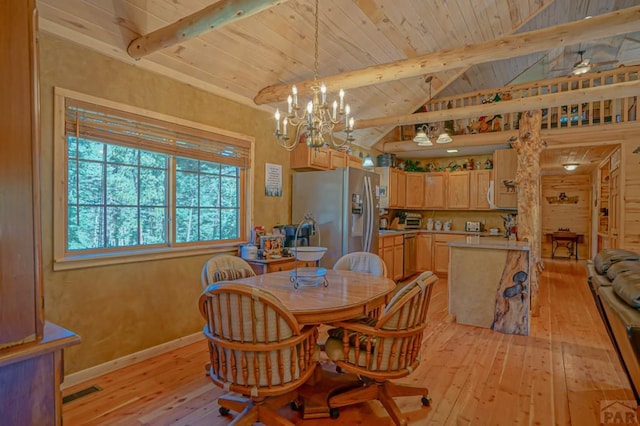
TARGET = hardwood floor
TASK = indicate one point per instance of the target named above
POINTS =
(557, 375)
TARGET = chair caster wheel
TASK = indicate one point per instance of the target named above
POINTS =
(426, 401)
(296, 405)
(334, 413)
(338, 369)
(223, 411)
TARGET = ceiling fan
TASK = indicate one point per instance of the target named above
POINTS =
(584, 65)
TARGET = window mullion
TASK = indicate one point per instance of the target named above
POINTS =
(171, 201)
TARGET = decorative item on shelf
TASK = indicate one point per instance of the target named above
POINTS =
(318, 120)
(488, 165)
(431, 167)
(469, 165)
(430, 224)
(447, 225)
(413, 166)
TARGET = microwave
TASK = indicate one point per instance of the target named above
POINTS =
(474, 227)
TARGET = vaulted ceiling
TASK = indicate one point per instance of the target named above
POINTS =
(275, 44)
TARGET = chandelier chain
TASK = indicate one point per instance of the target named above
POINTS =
(315, 46)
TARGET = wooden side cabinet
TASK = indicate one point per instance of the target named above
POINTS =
(32, 374)
(264, 266)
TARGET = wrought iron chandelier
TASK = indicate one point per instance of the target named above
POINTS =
(314, 124)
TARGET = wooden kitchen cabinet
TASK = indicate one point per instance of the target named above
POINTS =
(305, 158)
(414, 191)
(435, 190)
(505, 166)
(441, 252)
(397, 188)
(479, 187)
(424, 252)
(458, 190)
(264, 266)
(392, 249)
(355, 162)
(338, 159)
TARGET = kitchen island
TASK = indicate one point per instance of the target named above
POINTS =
(489, 283)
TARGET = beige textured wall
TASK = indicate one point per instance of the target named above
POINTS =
(122, 309)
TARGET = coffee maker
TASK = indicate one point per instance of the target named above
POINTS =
(305, 232)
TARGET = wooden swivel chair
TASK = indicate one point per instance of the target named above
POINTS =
(224, 267)
(362, 261)
(257, 349)
(385, 348)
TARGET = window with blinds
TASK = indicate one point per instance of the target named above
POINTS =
(135, 182)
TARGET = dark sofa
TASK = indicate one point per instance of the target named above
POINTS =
(614, 279)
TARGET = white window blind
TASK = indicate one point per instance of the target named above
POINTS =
(84, 119)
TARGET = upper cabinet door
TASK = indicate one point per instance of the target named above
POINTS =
(480, 180)
(435, 190)
(414, 190)
(458, 190)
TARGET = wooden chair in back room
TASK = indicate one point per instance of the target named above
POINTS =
(257, 349)
(384, 348)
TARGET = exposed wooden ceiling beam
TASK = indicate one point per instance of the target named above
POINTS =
(602, 26)
(211, 17)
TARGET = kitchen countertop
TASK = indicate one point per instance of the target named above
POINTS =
(384, 232)
(486, 242)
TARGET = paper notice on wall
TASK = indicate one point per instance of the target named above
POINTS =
(273, 180)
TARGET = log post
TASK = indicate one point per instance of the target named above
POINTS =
(528, 146)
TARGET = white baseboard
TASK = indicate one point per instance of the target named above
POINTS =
(109, 366)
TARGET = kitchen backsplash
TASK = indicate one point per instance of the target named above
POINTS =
(491, 218)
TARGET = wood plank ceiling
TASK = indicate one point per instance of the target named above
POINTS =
(275, 46)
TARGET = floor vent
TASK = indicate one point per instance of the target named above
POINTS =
(81, 393)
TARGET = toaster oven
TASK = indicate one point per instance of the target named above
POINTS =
(474, 227)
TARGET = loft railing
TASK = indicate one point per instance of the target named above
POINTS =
(607, 111)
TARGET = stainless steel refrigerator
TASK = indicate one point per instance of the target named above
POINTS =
(344, 204)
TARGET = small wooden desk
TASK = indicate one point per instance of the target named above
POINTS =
(348, 295)
(568, 240)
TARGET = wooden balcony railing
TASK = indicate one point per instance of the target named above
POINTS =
(606, 111)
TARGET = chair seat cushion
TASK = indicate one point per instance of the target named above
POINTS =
(608, 257)
(627, 287)
(338, 333)
(334, 349)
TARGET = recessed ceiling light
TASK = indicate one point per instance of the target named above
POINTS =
(587, 17)
(570, 166)
(452, 150)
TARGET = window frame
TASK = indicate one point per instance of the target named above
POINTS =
(64, 259)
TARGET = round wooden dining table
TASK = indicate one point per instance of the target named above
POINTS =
(347, 294)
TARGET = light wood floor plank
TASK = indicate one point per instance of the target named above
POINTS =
(556, 376)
